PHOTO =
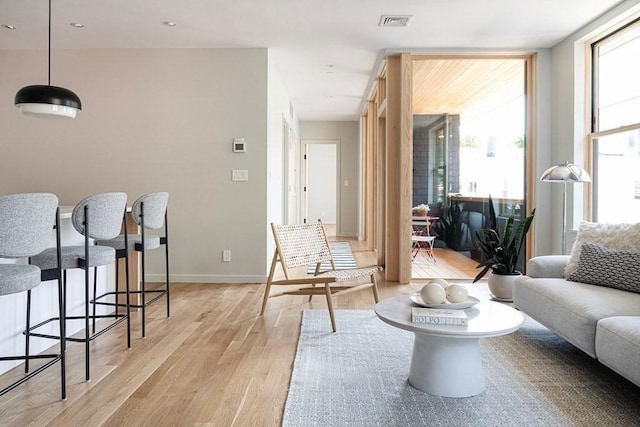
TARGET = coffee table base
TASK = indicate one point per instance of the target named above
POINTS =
(446, 366)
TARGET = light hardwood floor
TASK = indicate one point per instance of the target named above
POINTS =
(215, 362)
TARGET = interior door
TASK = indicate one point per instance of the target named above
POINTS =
(321, 180)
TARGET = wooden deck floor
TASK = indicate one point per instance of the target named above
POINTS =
(448, 264)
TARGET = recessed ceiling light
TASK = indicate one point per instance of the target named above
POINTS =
(169, 23)
(394, 20)
(76, 25)
(9, 26)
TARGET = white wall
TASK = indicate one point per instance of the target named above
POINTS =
(347, 133)
(542, 151)
(279, 110)
(568, 111)
(156, 120)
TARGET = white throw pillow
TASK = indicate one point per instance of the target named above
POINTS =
(622, 237)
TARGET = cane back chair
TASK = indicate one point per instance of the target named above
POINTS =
(301, 245)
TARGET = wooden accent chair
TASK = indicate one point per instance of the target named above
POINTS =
(301, 245)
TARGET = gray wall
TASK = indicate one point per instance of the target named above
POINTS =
(348, 134)
(157, 120)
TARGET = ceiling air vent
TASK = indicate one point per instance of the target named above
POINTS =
(394, 20)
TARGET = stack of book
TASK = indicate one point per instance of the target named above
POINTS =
(439, 316)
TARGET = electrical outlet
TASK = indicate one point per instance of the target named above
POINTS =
(226, 255)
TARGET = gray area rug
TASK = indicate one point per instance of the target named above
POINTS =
(358, 377)
(342, 257)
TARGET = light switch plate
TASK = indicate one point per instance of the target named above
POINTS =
(240, 175)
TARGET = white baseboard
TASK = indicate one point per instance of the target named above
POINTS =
(205, 278)
(346, 235)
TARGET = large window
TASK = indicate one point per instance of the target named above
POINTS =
(615, 137)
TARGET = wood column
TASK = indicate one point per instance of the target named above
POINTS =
(370, 176)
(399, 166)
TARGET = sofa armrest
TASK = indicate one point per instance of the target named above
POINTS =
(547, 266)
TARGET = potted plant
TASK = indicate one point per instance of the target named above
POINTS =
(450, 227)
(500, 252)
(420, 210)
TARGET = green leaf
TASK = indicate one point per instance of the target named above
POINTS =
(501, 252)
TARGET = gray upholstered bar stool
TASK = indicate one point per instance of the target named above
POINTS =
(149, 212)
(26, 224)
(100, 216)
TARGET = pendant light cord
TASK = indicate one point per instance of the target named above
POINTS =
(49, 63)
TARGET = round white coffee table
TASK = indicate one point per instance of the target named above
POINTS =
(446, 358)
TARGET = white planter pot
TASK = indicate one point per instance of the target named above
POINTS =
(501, 286)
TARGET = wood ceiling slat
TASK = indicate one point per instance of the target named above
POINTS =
(455, 86)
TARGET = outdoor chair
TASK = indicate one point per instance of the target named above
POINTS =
(422, 238)
(301, 245)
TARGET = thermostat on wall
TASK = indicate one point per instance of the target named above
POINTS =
(239, 145)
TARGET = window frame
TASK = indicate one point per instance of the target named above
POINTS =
(595, 133)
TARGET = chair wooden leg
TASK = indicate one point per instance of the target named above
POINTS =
(327, 288)
(266, 297)
(375, 287)
(267, 289)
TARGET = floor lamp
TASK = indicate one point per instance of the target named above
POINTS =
(565, 173)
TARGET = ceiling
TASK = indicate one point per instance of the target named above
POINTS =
(466, 86)
(326, 50)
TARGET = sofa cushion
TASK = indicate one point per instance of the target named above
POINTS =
(572, 309)
(605, 267)
(547, 266)
(613, 236)
(618, 345)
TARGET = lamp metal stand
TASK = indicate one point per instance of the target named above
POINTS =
(564, 219)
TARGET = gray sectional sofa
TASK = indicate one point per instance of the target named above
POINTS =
(602, 321)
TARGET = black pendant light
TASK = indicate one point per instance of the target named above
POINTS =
(47, 100)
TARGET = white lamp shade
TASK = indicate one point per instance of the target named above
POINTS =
(565, 172)
(47, 110)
